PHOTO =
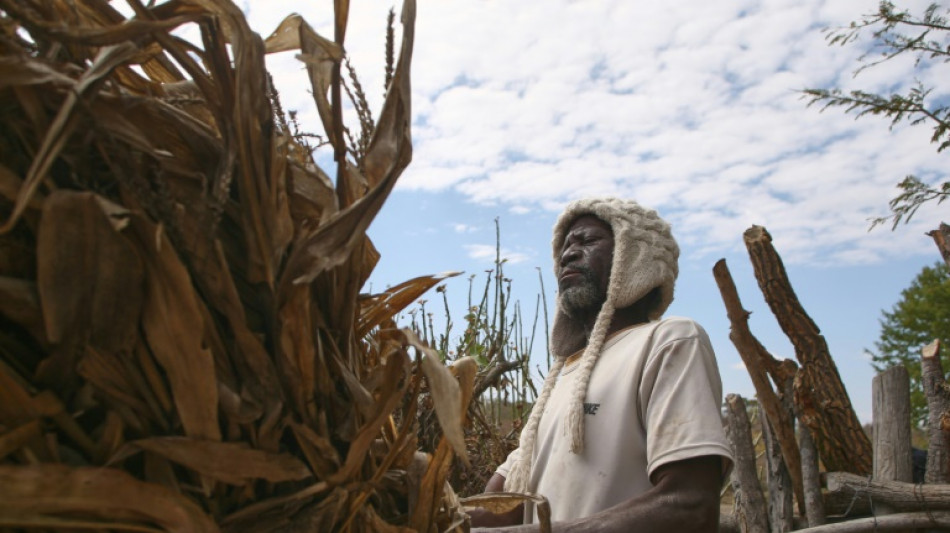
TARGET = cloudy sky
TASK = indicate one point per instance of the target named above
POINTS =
(690, 107)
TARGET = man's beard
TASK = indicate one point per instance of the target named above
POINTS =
(584, 297)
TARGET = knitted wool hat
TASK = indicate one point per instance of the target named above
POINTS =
(645, 257)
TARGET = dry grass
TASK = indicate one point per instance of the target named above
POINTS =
(183, 345)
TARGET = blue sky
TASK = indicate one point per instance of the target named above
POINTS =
(689, 107)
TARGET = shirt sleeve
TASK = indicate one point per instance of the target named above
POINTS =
(681, 398)
(505, 467)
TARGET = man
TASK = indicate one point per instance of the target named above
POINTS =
(626, 433)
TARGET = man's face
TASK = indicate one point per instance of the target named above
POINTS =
(584, 265)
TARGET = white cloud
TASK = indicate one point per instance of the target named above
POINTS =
(487, 252)
(690, 107)
(464, 228)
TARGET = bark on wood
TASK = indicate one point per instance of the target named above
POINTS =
(843, 504)
(814, 502)
(890, 391)
(759, 362)
(938, 405)
(492, 376)
(891, 428)
(895, 522)
(826, 407)
(860, 493)
(779, 482)
(728, 523)
(941, 237)
(750, 510)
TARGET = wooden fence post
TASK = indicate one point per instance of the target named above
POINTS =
(811, 480)
(760, 364)
(891, 429)
(941, 237)
(750, 508)
(819, 392)
(781, 507)
(938, 419)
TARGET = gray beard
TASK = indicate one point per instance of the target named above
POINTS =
(582, 299)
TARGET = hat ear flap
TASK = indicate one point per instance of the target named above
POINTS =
(567, 335)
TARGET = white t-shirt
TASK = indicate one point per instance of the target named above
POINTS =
(654, 397)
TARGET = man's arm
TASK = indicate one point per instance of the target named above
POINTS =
(684, 497)
(483, 518)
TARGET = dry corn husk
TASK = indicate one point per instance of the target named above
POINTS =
(183, 345)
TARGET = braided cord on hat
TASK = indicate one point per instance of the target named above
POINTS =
(520, 473)
(575, 413)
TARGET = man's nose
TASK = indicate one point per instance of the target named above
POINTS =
(569, 254)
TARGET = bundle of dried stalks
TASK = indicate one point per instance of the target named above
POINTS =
(183, 345)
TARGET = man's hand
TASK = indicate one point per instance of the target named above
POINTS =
(483, 518)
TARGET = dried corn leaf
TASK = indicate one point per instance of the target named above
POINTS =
(24, 70)
(333, 243)
(287, 37)
(17, 411)
(76, 241)
(173, 327)
(284, 513)
(390, 148)
(127, 31)
(49, 523)
(389, 395)
(426, 509)
(233, 463)
(259, 271)
(375, 524)
(378, 308)
(298, 351)
(260, 390)
(320, 55)
(65, 122)
(110, 378)
(445, 386)
(465, 370)
(157, 469)
(312, 199)
(50, 406)
(446, 394)
(108, 498)
(16, 405)
(19, 437)
(320, 453)
(20, 302)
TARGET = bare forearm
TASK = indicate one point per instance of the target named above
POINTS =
(685, 497)
(682, 512)
(694, 512)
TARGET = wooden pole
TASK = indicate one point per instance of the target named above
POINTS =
(750, 507)
(781, 508)
(941, 237)
(759, 363)
(819, 392)
(858, 492)
(896, 522)
(938, 418)
(891, 429)
(814, 502)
